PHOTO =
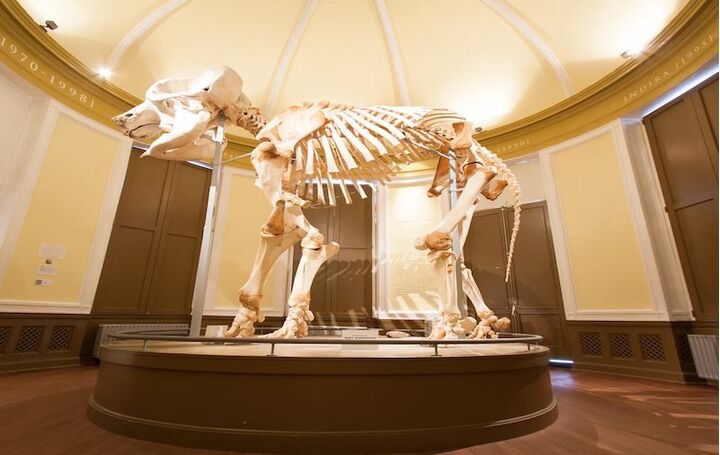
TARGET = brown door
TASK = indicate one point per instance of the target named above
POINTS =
(153, 251)
(534, 288)
(684, 141)
(342, 290)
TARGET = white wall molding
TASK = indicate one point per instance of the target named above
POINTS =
(141, 29)
(34, 161)
(40, 306)
(280, 272)
(287, 56)
(532, 37)
(617, 315)
(639, 222)
(659, 311)
(101, 235)
(658, 222)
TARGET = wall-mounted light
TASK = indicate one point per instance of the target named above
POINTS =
(49, 25)
(104, 72)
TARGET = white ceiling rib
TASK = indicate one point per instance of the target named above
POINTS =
(506, 12)
(141, 29)
(287, 56)
(394, 52)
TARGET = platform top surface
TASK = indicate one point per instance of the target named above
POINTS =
(327, 350)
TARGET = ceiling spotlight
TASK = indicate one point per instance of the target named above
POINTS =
(49, 25)
(104, 72)
(633, 52)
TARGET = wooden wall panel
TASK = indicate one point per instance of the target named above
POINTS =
(709, 95)
(683, 138)
(152, 255)
(534, 287)
(342, 290)
(485, 257)
(126, 263)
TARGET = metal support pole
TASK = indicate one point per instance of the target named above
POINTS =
(201, 277)
(457, 248)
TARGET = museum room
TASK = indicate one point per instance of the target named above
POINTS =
(359, 227)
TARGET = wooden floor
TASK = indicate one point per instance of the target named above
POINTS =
(44, 413)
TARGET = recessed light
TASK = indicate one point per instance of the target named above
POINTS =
(104, 73)
(633, 51)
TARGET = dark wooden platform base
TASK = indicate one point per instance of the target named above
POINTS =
(322, 404)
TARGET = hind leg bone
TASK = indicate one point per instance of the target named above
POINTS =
(442, 257)
(488, 324)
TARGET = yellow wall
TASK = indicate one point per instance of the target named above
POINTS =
(411, 287)
(63, 210)
(603, 248)
(243, 210)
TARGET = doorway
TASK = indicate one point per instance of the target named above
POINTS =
(532, 299)
(152, 255)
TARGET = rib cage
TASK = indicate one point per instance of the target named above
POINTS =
(374, 143)
(367, 143)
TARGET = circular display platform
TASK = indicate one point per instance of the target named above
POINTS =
(322, 398)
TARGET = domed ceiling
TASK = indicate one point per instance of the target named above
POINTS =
(495, 61)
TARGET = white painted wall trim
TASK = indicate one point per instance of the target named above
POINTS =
(639, 222)
(393, 52)
(663, 240)
(141, 28)
(34, 161)
(280, 272)
(101, 236)
(19, 166)
(287, 56)
(507, 13)
(659, 312)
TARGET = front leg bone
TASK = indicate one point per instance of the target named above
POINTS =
(299, 314)
(251, 293)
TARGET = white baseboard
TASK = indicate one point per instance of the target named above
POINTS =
(39, 306)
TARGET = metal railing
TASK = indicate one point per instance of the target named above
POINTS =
(155, 335)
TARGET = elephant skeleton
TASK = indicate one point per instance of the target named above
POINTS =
(308, 151)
